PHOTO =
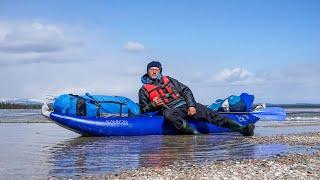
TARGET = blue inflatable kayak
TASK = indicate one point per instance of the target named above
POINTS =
(145, 124)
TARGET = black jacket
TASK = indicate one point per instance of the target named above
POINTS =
(144, 100)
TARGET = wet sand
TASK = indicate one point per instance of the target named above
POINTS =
(290, 166)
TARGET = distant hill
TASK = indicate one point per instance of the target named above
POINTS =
(20, 103)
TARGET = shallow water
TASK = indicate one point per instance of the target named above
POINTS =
(21, 116)
(40, 150)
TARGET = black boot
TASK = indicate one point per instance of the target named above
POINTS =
(248, 130)
(244, 130)
(187, 128)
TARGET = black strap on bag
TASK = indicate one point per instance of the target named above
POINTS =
(113, 102)
(97, 103)
(81, 109)
(81, 105)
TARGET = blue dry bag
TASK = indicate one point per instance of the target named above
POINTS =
(95, 106)
(242, 103)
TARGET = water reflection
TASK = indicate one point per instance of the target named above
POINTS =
(96, 155)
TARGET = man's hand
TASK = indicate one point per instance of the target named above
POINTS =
(192, 111)
(158, 101)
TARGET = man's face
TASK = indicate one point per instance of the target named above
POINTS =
(153, 72)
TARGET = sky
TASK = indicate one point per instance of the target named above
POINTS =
(268, 48)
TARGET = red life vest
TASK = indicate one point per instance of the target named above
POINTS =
(165, 91)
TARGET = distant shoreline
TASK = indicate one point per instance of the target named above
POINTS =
(19, 106)
(298, 105)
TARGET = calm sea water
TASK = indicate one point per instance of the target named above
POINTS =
(39, 149)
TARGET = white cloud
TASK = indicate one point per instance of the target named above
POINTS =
(236, 76)
(35, 42)
(295, 83)
(132, 46)
(33, 37)
(40, 59)
(231, 75)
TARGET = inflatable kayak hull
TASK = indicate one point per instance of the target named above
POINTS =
(138, 126)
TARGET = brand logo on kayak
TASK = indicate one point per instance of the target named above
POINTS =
(243, 118)
(117, 122)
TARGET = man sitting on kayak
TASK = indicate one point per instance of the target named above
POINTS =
(176, 102)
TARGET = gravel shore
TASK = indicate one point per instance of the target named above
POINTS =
(291, 166)
(308, 139)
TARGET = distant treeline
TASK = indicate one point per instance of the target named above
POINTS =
(19, 106)
(302, 105)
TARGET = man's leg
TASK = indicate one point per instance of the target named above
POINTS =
(203, 113)
(177, 116)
